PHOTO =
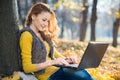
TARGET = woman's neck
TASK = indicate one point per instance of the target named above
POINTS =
(36, 32)
(34, 29)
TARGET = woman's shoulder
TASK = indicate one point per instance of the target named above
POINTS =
(27, 31)
(26, 34)
(26, 37)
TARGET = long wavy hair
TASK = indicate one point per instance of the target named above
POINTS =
(53, 29)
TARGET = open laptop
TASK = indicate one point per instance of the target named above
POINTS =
(91, 57)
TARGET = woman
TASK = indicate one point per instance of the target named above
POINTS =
(37, 50)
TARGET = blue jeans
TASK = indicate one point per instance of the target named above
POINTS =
(69, 74)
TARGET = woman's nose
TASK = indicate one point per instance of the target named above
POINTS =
(46, 23)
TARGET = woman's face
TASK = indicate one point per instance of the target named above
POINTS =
(41, 21)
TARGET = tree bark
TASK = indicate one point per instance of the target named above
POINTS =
(8, 35)
(115, 32)
(83, 26)
(93, 20)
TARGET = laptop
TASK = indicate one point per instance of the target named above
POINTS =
(91, 57)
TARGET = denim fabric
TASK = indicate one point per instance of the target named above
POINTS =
(69, 74)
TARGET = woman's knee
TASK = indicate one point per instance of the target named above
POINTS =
(78, 75)
(84, 75)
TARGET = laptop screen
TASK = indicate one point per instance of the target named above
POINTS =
(93, 55)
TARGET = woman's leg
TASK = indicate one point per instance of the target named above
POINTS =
(59, 75)
(69, 74)
(72, 74)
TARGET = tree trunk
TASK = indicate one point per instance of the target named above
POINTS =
(115, 31)
(83, 26)
(44, 1)
(62, 24)
(8, 35)
(34, 1)
(62, 30)
(93, 20)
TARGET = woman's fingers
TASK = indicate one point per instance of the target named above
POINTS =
(73, 59)
(60, 61)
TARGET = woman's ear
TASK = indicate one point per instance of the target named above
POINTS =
(33, 17)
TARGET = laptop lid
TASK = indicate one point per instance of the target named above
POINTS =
(93, 55)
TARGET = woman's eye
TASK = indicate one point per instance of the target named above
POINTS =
(44, 20)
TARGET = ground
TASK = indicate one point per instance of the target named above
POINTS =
(109, 68)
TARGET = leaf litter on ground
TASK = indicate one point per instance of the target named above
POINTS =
(109, 68)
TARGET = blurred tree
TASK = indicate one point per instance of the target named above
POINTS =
(8, 35)
(62, 23)
(44, 1)
(83, 26)
(23, 6)
(116, 26)
(34, 1)
(93, 20)
(67, 17)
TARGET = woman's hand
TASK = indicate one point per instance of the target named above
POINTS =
(60, 61)
(71, 60)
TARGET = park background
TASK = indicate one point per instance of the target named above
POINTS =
(80, 21)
